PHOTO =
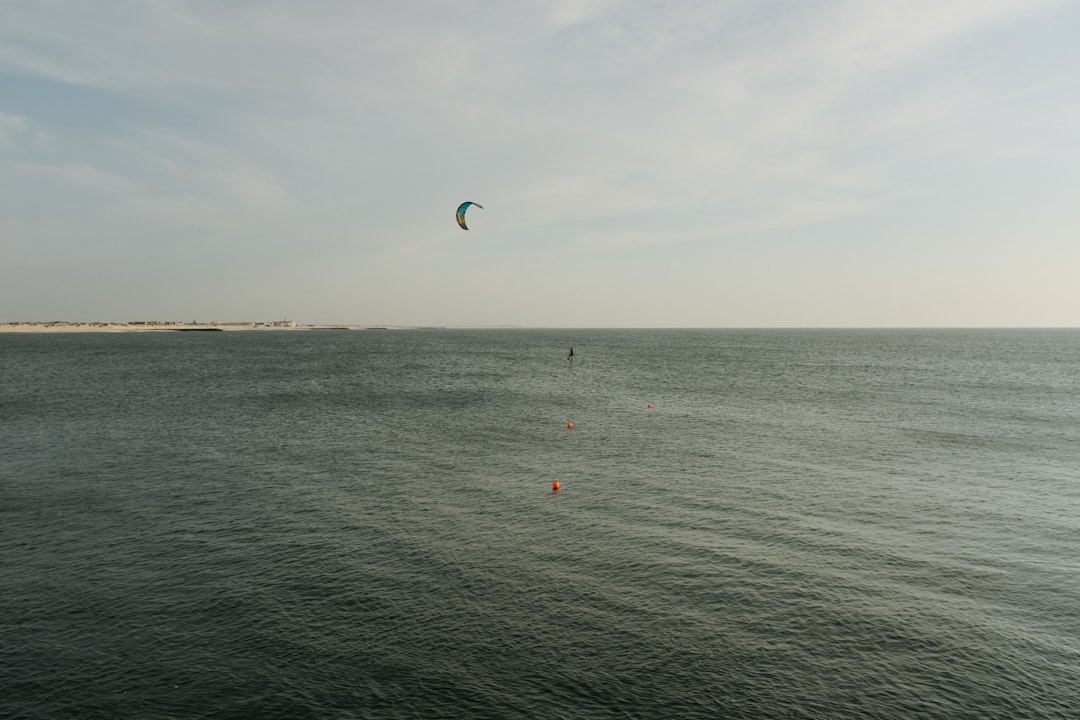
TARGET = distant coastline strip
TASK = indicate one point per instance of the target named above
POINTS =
(159, 326)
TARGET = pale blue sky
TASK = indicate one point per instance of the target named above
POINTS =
(641, 164)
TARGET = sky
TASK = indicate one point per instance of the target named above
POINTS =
(742, 163)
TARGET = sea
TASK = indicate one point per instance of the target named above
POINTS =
(797, 524)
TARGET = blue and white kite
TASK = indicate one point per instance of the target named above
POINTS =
(461, 213)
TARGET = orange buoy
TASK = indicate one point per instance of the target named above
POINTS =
(555, 486)
(569, 424)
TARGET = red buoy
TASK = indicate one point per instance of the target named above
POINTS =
(569, 424)
(555, 486)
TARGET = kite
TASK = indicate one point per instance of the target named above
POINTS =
(461, 213)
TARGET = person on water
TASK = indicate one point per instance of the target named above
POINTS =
(570, 357)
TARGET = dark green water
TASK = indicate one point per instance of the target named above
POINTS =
(805, 524)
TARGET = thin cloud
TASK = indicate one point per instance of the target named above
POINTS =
(12, 127)
(81, 176)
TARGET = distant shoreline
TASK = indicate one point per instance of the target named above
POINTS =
(108, 327)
